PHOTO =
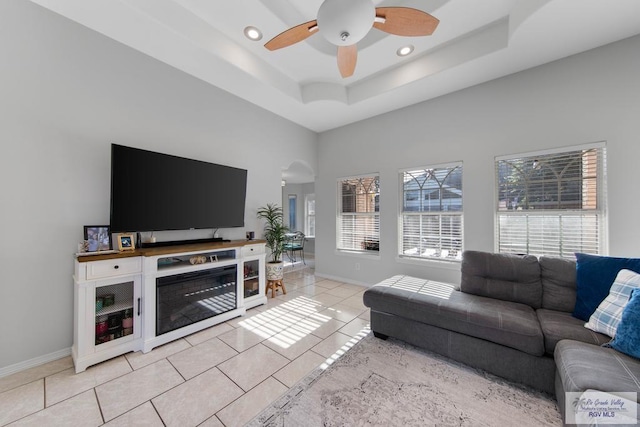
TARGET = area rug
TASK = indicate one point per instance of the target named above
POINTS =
(391, 383)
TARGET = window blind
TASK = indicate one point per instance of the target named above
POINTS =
(358, 214)
(552, 204)
(310, 208)
(431, 221)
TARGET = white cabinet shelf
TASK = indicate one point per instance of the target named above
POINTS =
(179, 269)
(202, 260)
(119, 306)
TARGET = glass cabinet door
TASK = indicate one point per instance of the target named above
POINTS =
(114, 312)
(251, 278)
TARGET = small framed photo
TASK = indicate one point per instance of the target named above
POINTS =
(98, 238)
(125, 242)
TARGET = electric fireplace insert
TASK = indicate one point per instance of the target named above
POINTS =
(188, 298)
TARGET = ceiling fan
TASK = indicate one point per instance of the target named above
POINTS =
(345, 22)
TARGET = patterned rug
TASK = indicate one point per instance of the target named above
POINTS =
(390, 383)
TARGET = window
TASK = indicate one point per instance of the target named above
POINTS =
(310, 215)
(552, 203)
(431, 217)
(358, 214)
(293, 212)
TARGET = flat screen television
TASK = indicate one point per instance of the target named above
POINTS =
(152, 191)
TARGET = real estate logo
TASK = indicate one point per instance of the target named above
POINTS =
(598, 408)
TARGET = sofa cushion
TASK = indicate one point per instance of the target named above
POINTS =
(608, 314)
(558, 283)
(594, 277)
(560, 325)
(506, 277)
(511, 324)
(583, 366)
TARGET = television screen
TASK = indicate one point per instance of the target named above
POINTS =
(153, 191)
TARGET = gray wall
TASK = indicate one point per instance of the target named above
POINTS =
(67, 93)
(594, 96)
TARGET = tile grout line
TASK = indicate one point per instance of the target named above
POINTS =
(95, 393)
(286, 386)
(151, 398)
(156, 410)
(44, 392)
(184, 380)
(246, 392)
(36, 379)
(74, 395)
(128, 362)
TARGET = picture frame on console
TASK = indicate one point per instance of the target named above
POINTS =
(97, 237)
(125, 241)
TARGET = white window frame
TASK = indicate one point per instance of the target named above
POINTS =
(454, 259)
(541, 216)
(339, 215)
(307, 216)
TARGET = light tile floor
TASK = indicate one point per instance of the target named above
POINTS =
(221, 376)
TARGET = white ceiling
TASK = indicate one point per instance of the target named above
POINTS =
(476, 41)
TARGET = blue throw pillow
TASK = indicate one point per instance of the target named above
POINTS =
(594, 277)
(627, 338)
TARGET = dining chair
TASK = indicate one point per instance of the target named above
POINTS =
(295, 243)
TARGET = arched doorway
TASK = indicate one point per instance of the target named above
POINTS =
(298, 203)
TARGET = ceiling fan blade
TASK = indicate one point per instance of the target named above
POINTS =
(347, 57)
(405, 21)
(292, 35)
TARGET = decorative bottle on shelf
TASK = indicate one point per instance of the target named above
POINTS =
(115, 326)
(127, 322)
(102, 326)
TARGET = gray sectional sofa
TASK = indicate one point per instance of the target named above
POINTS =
(511, 316)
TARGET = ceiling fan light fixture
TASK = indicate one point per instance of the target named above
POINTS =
(405, 50)
(252, 33)
(353, 18)
(345, 22)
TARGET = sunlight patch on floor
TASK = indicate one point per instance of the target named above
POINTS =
(287, 323)
(346, 347)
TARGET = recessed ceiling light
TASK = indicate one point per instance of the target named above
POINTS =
(405, 50)
(252, 33)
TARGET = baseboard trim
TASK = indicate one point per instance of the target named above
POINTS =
(37, 361)
(342, 279)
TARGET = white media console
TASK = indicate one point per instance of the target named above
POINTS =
(135, 301)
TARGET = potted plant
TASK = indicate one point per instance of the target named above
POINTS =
(274, 234)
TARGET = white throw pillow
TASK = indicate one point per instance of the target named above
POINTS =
(608, 314)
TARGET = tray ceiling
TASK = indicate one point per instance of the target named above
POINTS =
(476, 41)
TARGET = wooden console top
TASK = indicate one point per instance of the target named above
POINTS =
(168, 250)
